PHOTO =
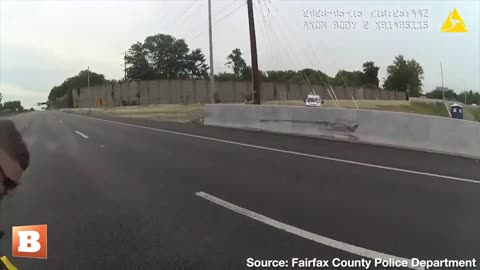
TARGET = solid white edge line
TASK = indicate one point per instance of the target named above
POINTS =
(292, 152)
(363, 252)
(81, 134)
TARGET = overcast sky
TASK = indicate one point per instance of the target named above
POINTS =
(44, 42)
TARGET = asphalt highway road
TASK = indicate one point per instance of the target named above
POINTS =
(152, 195)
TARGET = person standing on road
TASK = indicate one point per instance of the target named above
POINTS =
(14, 158)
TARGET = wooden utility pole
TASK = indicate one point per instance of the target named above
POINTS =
(253, 51)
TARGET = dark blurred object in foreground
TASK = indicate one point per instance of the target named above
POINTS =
(14, 157)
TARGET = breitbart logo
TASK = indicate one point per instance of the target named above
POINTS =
(29, 241)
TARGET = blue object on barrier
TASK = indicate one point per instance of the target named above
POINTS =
(456, 111)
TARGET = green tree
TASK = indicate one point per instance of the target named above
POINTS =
(165, 57)
(370, 73)
(247, 73)
(464, 97)
(1, 97)
(317, 77)
(13, 106)
(351, 78)
(322, 78)
(438, 93)
(404, 75)
(470, 97)
(305, 76)
(236, 62)
(476, 98)
(280, 75)
(139, 68)
(226, 76)
(114, 81)
(77, 81)
(196, 68)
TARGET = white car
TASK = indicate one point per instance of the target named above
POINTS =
(313, 101)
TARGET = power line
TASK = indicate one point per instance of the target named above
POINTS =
(217, 21)
(188, 25)
(185, 16)
(268, 39)
(222, 10)
(329, 87)
(167, 22)
(204, 20)
(293, 59)
(310, 46)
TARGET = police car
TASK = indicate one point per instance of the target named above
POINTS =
(313, 101)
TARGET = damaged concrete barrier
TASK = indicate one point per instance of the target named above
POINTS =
(406, 130)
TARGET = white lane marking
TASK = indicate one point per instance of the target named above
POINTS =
(81, 134)
(461, 179)
(367, 253)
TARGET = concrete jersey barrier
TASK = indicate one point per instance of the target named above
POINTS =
(407, 130)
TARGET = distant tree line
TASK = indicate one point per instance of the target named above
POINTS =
(11, 106)
(241, 71)
(163, 56)
(78, 81)
(467, 97)
(403, 75)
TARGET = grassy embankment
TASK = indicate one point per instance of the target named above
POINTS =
(437, 109)
(188, 113)
(177, 113)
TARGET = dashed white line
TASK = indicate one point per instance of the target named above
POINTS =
(434, 175)
(81, 134)
(367, 253)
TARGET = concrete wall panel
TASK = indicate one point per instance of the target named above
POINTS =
(188, 91)
(198, 91)
(201, 87)
(164, 93)
(133, 93)
(267, 93)
(224, 90)
(175, 91)
(143, 91)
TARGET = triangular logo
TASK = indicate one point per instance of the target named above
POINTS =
(454, 23)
